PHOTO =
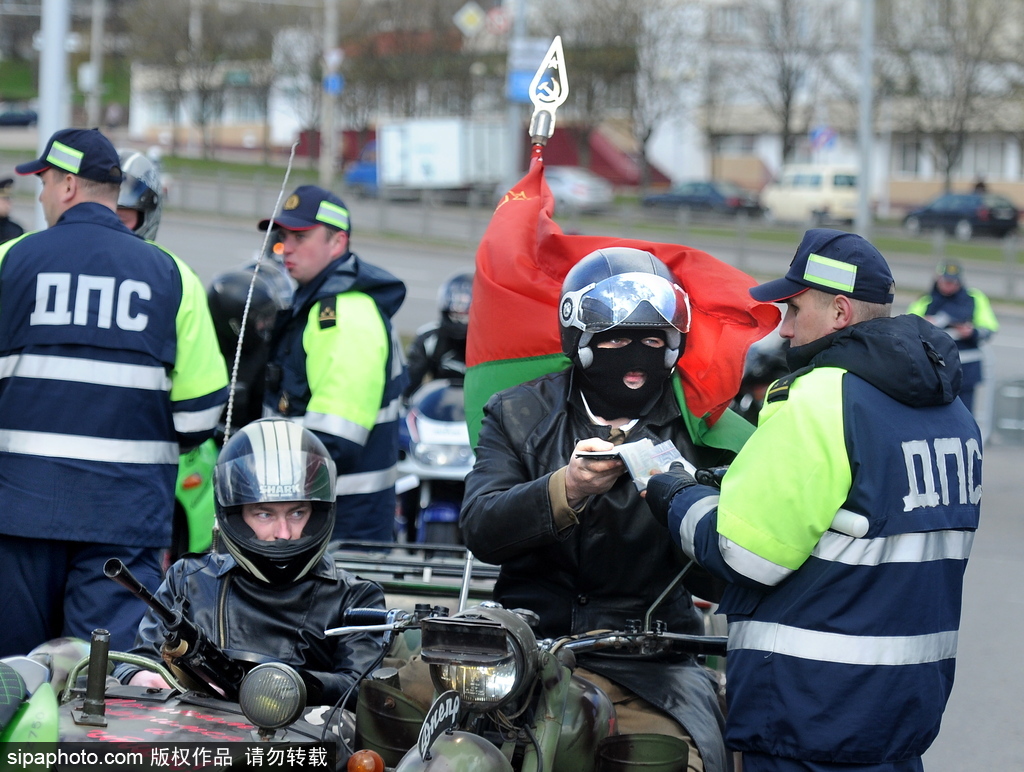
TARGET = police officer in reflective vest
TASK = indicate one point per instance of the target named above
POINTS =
(335, 360)
(110, 368)
(843, 527)
(966, 315)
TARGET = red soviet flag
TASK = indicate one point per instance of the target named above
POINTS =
(513, 326)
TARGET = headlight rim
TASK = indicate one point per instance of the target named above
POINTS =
(253, 677)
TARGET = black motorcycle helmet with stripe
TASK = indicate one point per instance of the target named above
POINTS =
(621, 287)
(274, 460)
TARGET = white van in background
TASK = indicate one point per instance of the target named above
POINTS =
(812, 193)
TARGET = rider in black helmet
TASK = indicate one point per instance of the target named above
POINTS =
(140, 202)
(574, 539)
(439, 350)
(226, 297)
(275, 591)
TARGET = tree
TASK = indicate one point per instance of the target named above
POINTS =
(198, 49)
(945, 71)
(599, 42)
(661, 73)
(159, 33)
(779, 66)
(407, 59)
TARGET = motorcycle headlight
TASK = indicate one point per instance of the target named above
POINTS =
(272, 695)
(485, 654)
(430, 454)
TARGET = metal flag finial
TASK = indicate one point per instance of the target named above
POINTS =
(548, 90)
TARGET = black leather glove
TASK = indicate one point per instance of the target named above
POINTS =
(711, 477)
(661, 489)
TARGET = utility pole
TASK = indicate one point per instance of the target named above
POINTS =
(865, 128)
(195, 53)
(53, 77)
(513, 111)
(329, 94)
(93, 104)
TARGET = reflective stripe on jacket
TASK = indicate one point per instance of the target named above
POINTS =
(841, 649)
(108, 363)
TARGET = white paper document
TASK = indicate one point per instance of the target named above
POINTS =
(643, 458)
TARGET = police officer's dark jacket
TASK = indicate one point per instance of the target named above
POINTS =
(595, 574)
(336, 335)
(109, 365)
(843, 528)
(9, 229)
(284, 622)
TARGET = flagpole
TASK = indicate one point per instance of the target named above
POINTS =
(548, 90)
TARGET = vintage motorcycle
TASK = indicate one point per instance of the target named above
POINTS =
(503, 699)
(435, 456)
(238, 705)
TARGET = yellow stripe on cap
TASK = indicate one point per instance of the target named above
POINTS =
(64, 157)
(827, 272)
(332, 214)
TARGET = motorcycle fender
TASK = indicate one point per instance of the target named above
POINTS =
(642, 753)
(457, 752)
(387, 721)
(36, 720)
(589, 718)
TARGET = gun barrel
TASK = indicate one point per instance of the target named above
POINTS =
(118, 571)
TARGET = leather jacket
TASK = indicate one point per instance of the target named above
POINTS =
(607, 568)
(285, 623)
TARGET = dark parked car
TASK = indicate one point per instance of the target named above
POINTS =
(18, 118)
(964, 215)
(721, 197)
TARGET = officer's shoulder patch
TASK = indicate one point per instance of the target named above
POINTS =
(779, 391)
(328, 316)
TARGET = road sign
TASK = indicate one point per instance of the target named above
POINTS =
(498, 21)
(334, 83)
(524, 57)
(469, 19)
(333, 59)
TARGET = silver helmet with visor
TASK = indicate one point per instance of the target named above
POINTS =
(141, 190)
(621, 287)
(267, 461)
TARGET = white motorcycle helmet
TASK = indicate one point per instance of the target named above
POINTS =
(142, 191)
(274, 460)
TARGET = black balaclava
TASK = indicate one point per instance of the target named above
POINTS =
(602, 385)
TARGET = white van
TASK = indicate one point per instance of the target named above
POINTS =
(812, 193)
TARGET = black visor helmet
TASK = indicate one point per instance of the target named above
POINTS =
(141, 191)
(226, 298)
(274, 460)
(621, 287)
(453, 300)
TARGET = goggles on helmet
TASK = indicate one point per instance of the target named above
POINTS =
(620, 300)
(286, 476)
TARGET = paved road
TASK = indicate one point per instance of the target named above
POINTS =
(981, 727)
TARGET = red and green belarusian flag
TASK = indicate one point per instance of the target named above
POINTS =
(513, 328)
